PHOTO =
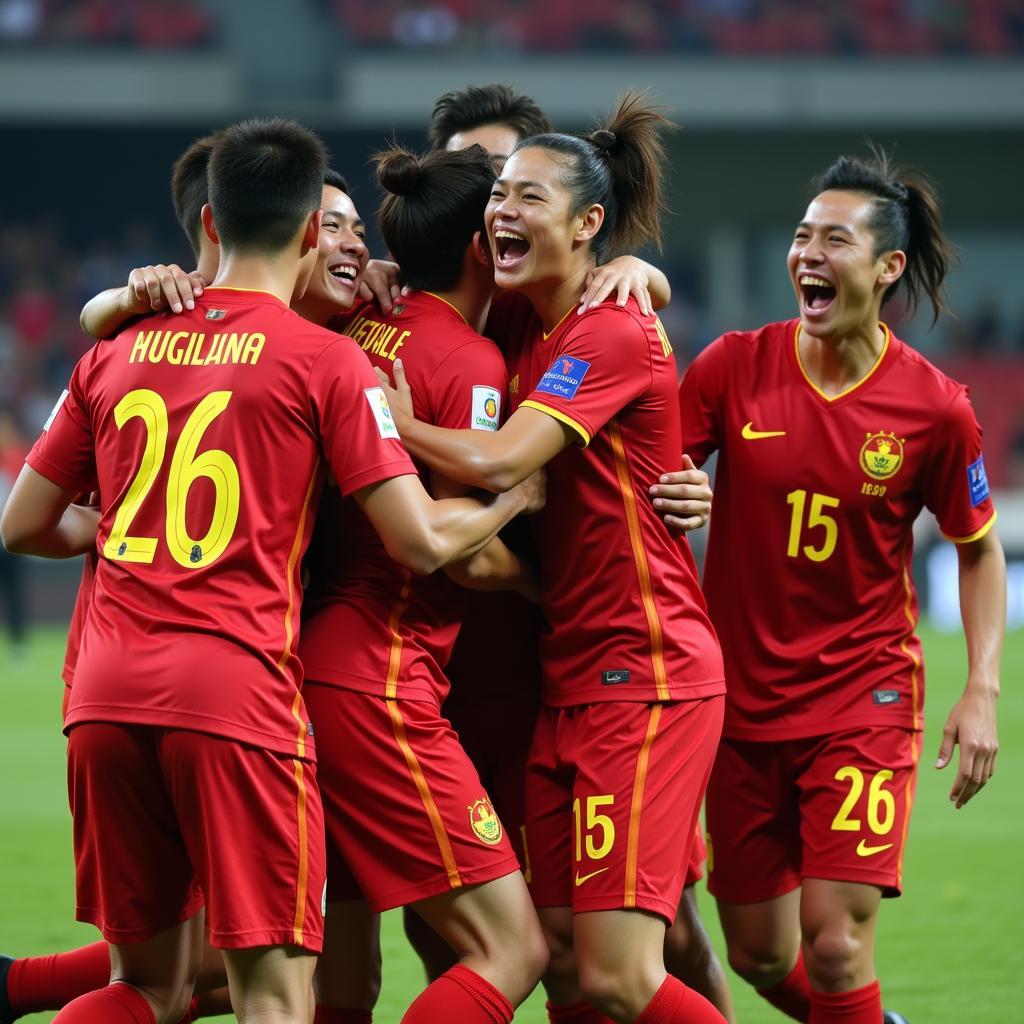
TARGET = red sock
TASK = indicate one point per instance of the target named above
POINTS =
(334, 1015)
(792, 995)
(674, 1003)
(576, 1013)
(48, 982)
(459, 995)
(115, 1004)
(861, 1006)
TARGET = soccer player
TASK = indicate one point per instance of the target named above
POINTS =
(837, 434)
(633, 679)
(196, 752)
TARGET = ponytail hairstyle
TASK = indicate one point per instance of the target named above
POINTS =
(435, 204)
(619, 166)
(906, 216)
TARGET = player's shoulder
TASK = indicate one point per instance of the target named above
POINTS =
(914, 369)
(611, 319)
(769, 339)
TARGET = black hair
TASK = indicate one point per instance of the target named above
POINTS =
(619, 166)
(189, 190)
(906, 216)
(265, 178)
(336, 180)
(479, 105)
(435, 205)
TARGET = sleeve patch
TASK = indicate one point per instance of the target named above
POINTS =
(381, 413)
(977, 481)
(486, 413)
(564, 377)
(56, 409)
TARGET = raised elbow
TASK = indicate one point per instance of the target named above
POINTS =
(421, 554)
(15, 541)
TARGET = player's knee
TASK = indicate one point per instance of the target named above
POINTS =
(617, 992)
(760, 966)
(833, 955)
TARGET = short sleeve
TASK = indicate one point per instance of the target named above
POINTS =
(357, 433)
(468, 386)
(602, 363)
(701, 395)
(955, 485)
(66, 452)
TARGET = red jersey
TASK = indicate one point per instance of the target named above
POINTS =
(808, 566)
(611, 573)
(206, 434)
(78, 616)
(371, 625)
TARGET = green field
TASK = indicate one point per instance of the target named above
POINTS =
(952, 949)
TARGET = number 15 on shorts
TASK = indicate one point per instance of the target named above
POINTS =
(594, 831)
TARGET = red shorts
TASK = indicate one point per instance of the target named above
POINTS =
(407, 816)
(613, 793)
(834, 807)
(501, 766)
(166, 817)
(698, 854)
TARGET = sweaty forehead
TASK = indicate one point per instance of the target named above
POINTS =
(534, 165)
(335, 202)
(498, 139)
(835, 207)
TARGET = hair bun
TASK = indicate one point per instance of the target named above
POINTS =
(399, 172)
(604, 139)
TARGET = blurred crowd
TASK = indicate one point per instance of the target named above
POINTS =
(140, 24)
(812, 27)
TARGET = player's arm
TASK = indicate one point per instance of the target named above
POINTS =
(149, 289)
(380, 283)
(972, 722)
(40, 519)
(627, 275)
(683, 497)
(424, 535)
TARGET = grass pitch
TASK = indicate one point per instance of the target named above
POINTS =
(951, 949)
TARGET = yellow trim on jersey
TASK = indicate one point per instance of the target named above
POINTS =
(908, 606)
(852, 387)
(293, 557)
(448, 304)
(636, 807)
(561, 320)
(643, 570)
(978, 534)
(560, 416)
(437, 824)
(397, 643)
(302, 886)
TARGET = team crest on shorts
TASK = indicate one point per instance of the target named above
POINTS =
(882, 455)
(485, 822)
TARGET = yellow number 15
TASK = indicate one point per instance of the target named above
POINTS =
(816, 517)
(186, 467)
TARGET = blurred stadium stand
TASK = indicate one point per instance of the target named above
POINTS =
(97, 98)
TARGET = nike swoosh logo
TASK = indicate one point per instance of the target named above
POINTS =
(863, 850)
(750, 434)
(586, 878)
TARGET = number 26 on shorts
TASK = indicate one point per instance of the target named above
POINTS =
(880, 807)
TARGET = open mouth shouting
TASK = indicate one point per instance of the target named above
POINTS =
(510, 248)
(346, 274)
(816, 294)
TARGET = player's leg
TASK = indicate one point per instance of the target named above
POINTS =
(435, 954)
(753, 820)
(856, 793)
(271, 984)
(348, 974)
(691, 958)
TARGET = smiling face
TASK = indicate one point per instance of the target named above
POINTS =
(535, 236)
(342, 254)
(838, 279)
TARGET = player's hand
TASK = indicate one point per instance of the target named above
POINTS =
(534, 490)
(399, 395)
(972, 724)
(625, 275)
(151, 289)
(380, 283)
(684, 497)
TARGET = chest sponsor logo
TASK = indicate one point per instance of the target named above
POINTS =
(881, 455)
(216, 314)
(56, 409)
(885, 696)
(750, 434)
(381, 413)
(564, 377)
(615, 677)
(486, 408)
(977, 480)
(485, 824)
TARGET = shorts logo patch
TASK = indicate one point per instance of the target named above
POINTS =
(382, 413)
(863, 850)
(881, 455)
(56, 409)
(486, 408)
(615, 677)
(885, 696)
(485, 822)
(564, 377)
(977, 481)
